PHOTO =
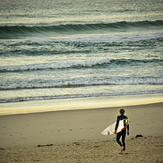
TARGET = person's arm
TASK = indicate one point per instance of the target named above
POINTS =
(128, 133)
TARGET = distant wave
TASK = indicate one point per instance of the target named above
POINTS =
(76, 65)
(20, 31)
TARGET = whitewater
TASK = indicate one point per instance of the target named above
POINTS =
(67, 50)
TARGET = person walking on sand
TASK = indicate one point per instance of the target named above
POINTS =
(123, 132)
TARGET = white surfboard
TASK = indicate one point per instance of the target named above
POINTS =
(111, 128)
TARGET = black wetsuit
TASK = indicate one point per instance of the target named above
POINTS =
(122, 133)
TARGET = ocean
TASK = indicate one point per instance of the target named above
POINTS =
(71, 49)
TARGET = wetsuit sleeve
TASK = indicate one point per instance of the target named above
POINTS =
(117, 123)
(128, 124)
(128, 127)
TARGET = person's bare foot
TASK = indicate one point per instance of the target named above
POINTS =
(122, 149)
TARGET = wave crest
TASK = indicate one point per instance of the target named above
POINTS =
(20, 31)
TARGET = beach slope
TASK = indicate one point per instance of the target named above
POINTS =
(73, 134)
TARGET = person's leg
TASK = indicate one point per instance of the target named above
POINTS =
(118, 138)
(123, 139)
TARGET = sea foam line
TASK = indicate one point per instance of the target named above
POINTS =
(65, 65)
(82, 82)
(23, 99)
(60, 65)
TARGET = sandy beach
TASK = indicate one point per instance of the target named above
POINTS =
(145, 149)
(75, 136)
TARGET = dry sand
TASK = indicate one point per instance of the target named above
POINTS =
(143, 150)
(74, 136)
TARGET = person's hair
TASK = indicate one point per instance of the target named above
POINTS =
(122, 111)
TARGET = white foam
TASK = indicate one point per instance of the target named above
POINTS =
(57, 65)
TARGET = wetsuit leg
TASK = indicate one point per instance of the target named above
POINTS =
(123, 139)
(118, 137)
(123, 134)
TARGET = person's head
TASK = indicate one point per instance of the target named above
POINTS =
(122, 111)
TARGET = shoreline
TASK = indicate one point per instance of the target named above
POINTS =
(77, 104)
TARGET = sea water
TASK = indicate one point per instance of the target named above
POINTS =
(71, 49)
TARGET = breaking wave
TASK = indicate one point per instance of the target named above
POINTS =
(26, 31)
(76, 65)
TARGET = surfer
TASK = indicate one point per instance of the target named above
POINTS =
(123, 132)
